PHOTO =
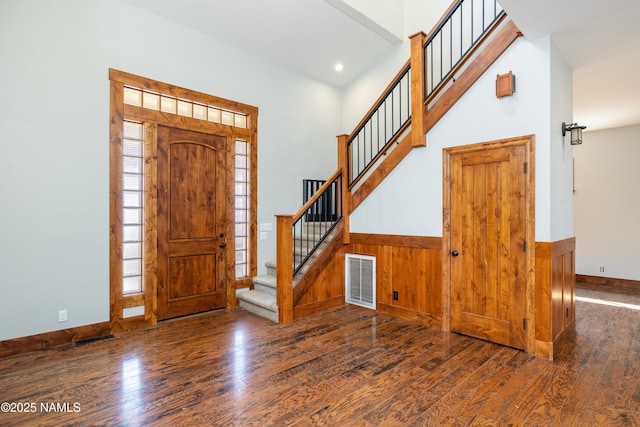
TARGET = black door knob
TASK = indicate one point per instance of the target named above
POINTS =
(454, 253)
(223, 245)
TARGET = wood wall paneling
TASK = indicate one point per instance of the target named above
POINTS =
(410, 265)
(555, 294)
(328, 284)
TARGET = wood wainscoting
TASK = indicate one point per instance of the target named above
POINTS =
(409, 265)
(323, 284)
(555, 294)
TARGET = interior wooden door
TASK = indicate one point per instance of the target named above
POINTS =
(191, 222)
(487, 242)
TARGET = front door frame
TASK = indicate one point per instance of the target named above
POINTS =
(119, 112)
(528, 142)
(183, 241)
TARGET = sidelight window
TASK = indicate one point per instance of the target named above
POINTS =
(132, 206)
(241, 208)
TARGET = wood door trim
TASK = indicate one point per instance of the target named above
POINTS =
(119, 112)
(528, 141)
(179, 92)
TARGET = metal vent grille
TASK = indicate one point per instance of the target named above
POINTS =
(360, 280)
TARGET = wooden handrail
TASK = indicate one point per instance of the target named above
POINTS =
(507, 35)
(287, 296)
(316, 195)
(381, 153)
(381, 98)
(436, 27)
(466, 58)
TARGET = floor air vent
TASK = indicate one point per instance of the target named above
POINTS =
(360, 280)
(90, 340)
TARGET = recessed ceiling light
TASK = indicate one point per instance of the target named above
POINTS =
(339, 67)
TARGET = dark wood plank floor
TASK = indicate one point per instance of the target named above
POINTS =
(340, 368)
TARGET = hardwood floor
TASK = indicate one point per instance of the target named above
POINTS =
(343, 367)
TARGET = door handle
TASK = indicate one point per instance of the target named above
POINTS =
(223, 245)
(454, 253)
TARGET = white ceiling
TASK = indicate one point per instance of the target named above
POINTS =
(599, 40)
(310, 36)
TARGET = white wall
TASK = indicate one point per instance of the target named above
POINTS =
(409, 201)
(561, 150)
(54, 142)
(359, 96)
(607, 203)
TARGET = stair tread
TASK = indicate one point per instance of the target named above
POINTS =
(267, 280)
(260, 299)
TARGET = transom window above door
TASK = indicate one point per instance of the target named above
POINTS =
(183, 107)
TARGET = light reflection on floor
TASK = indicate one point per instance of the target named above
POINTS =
(131, 387)
(610, 303)
(239, 361)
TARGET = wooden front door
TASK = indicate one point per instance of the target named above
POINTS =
(487, 244)
(191, 222)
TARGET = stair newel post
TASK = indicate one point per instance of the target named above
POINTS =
(345, 194)
(418, 108)
(284, 267)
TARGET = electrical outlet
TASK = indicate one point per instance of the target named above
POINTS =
(266, 226)
(62, 316)
(601, 269)
(395, 295)
(263, 235)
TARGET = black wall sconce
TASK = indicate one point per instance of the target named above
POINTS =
(576, 132)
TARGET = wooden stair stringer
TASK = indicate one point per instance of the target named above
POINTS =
(489, 54)
(302, 283)
(383, 170)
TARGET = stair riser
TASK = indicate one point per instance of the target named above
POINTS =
(266, 289)
(259, 311)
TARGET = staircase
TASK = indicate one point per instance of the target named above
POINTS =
(262, 299)
(443, 66)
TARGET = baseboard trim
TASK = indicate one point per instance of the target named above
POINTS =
(408, 314)
(565, 340)
(608, 282)
(53, 339)
(314, 307)
(551, 350)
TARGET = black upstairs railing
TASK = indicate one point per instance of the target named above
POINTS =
(320, 214)
(381, 126)
(446, 48)
(326, 208)
(457, 35)
(453, 42)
